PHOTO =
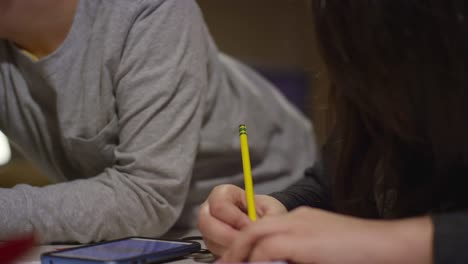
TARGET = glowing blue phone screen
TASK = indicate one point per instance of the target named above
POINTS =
(122, 249)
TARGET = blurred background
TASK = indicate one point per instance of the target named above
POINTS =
(273, 36)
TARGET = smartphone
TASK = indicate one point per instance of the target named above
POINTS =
(130, 250)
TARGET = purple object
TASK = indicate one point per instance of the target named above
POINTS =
(293, 84)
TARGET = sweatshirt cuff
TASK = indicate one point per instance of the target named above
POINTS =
(450, 237)
(285, 199)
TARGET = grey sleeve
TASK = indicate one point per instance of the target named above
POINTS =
(159, 99)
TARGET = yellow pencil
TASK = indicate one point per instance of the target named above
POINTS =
(249, 191)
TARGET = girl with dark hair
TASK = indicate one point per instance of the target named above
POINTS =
(395, 167)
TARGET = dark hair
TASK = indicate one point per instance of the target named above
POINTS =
(399, 77)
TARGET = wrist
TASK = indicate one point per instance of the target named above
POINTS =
(409, 240)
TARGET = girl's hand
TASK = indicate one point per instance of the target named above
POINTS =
(308, 235)
(222, 215)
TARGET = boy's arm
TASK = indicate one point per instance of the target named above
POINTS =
(159, 89)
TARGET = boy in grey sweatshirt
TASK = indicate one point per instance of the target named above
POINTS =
(129, 107)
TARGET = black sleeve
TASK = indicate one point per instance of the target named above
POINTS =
(312, 190)
(315, 188)
(450, 237)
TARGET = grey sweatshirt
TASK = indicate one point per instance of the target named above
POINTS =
(135, 118)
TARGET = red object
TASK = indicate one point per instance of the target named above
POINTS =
(12, 249)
